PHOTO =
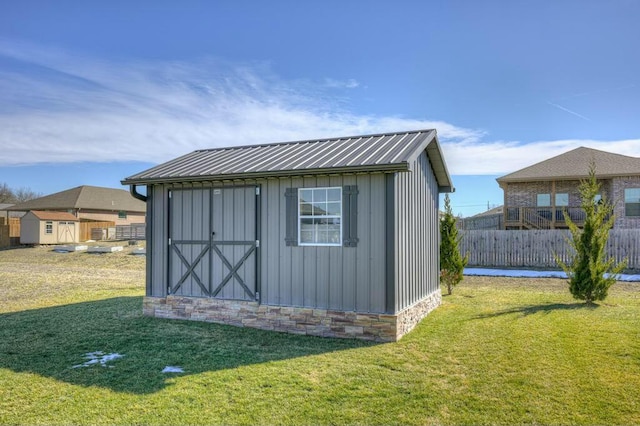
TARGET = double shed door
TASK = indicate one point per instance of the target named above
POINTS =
(213, 242)
(67, 232)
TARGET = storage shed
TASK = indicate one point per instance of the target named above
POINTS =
(38, 227)
(334, 237)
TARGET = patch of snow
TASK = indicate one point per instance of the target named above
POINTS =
(172, 369)
(99, 249)
(521, 273)
(98, 358)
(69, 248)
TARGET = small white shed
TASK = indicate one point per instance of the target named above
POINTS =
(44, 227)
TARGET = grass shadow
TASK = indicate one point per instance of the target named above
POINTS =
(50, 341)
(534, 309)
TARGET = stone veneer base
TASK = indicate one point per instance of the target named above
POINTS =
(309, 321)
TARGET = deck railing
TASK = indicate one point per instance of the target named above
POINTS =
(543, 217)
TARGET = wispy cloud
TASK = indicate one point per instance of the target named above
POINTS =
(341, 84)
(60, 108)
(501, 157)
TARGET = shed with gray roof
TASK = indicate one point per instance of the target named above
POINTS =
(332, 237)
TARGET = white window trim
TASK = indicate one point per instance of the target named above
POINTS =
(48, 227)
(629, 202)
(339, 243)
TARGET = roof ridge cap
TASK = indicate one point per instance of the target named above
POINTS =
(322, 140)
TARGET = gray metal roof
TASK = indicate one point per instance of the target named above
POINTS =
(85, 197)
(574, 165)
(386, 152)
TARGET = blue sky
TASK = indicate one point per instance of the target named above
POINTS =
(92, 92)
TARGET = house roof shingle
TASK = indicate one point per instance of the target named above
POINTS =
(575, 164)
(490, 212)
(85, 197)
(55, 216)
(366, 153)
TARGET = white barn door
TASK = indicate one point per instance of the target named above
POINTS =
(66, 232)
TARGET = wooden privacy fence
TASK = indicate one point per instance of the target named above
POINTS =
(494, 221)
(5, 241)
(87, 227)
(13, 230)
(537, 249)
(10, 234)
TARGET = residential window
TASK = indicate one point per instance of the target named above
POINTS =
(632, 201)
(544, 200)
(48, 228)
(122, 214)
(320, 216)
(562, 200)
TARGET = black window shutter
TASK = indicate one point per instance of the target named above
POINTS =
(350, 215)
(291, 219)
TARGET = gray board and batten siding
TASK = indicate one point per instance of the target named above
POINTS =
(219, 224)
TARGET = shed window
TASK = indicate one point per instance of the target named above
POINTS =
(48, 228)
(122, 214)
(632, 202)
(320, 216)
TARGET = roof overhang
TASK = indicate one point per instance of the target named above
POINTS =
(439, 166)
(398, 167)
(436, 159)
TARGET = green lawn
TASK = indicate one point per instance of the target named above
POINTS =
(498, 351)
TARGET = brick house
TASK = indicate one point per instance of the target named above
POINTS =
(537, 196)
(90, 204)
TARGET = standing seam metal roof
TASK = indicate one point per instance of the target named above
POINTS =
(378, 152)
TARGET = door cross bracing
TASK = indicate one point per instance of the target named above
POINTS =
(190, 269)
(233, 269)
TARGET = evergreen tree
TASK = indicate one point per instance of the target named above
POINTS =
(587, 269)
(451, 261)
